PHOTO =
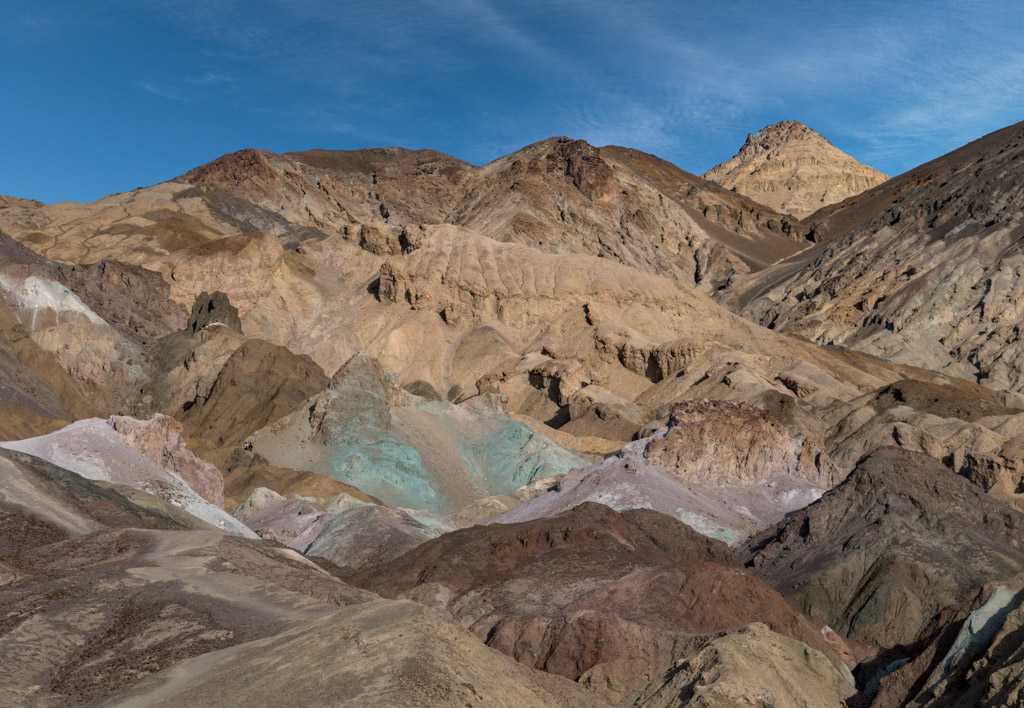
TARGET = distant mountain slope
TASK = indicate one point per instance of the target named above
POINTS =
(748, 228)
(790, 168)
(355, 353)
(924, 269)
(559, 195)
(7, 201)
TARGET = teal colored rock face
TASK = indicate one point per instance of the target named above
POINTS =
(426, 455)
(496, 454)
(511, 455)
(365, 450)
(390, 470)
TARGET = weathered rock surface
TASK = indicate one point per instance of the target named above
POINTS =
(456, 287)
(213, 308)
(975, 657)
(160, 440)
(565, 195)
(292, 522)
(93, 322)
(559, 194)
(743, 225)
(8, 201)
(900, 540)
(376, 653)
(111, 600)
(757, 667)
(107, 367)
(365, 534)
(974, 431)
(489, 330)
(37, 395)
(366, 431)
(562, 324)
(258, 384)
(131, 299)
(794, 170)
(733, 443)
(245, 472)
(110, 589)
(345, 531)
(60, 503)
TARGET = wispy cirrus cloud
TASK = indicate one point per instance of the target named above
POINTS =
(488, 22)
(892, 83)
(185, 89)
(887, 95)
(157, 89)
(211, 78)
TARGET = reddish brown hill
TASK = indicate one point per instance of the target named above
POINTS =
(591, 594)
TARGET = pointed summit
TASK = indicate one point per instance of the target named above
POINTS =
(793, 169)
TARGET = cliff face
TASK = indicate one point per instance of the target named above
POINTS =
(794, 170)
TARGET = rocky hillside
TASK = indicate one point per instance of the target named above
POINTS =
(919, 571)
(922, 270)
(397, 429)
(596, 596)
(794, 170)
(880, 555)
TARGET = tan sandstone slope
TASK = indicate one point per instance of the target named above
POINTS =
(794, 170)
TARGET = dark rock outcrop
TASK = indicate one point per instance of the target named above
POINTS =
(212, 308)
(259, 383)
(131, 299)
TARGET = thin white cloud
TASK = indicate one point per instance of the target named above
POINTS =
(167, 92)
(949, 105)
(618, 120)
(211, 78)
(487, 21)
(184, 90)
(889, 94)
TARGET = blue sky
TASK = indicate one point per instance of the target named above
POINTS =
(103, 96)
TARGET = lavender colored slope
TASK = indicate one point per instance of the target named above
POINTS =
(728, 512)
(94, 450)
